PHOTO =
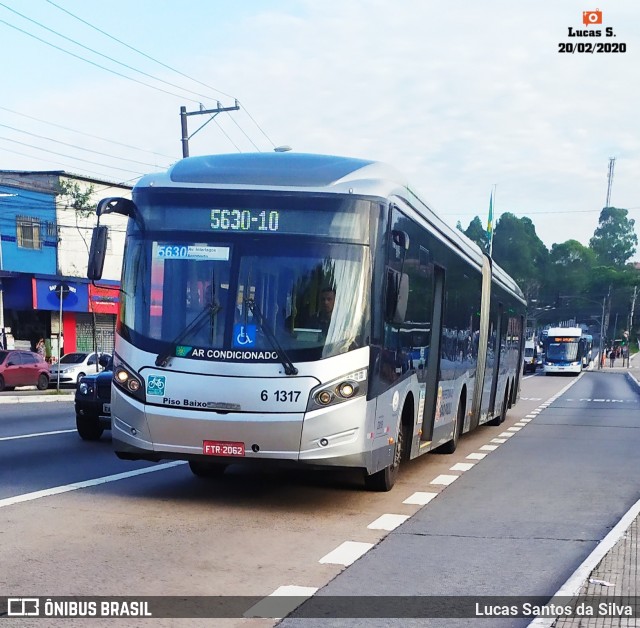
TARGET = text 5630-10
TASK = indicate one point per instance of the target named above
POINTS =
(244, 220)
(591, 48)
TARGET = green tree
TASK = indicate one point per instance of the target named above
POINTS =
(476, 232)
(614, 241)
(519, 250)
(77, 197)
(571, 267)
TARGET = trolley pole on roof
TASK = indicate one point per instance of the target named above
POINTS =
(202, 111)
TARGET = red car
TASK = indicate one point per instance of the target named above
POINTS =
(23, 368)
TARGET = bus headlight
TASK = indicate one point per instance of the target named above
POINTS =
(324, 397)
(127, 381)
(347, 389)
(339, 390)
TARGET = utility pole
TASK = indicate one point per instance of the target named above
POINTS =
(183, 122)
(612, 163)
(633, 307)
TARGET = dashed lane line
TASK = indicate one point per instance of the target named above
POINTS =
(387, 522)
(346, 553)
(420, 498)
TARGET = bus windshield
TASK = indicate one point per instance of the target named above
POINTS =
(567, 351)
(252, 297)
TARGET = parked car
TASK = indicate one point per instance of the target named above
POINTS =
(23, 368)
(93, 401)
(73, 366)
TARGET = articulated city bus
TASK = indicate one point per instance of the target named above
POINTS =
(302, 309)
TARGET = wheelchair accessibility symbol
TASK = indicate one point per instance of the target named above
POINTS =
(244, 335)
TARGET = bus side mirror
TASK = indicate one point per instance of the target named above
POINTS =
(97, 252)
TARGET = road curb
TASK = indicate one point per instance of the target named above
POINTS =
(36, 398)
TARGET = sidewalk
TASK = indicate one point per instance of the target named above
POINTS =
(30, 394)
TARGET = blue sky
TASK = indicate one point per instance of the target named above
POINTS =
(458, 96)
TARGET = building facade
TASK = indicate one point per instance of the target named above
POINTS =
(46, 221)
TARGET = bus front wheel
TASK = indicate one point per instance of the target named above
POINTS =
(383, 480)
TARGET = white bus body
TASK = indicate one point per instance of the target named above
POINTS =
(222, 355)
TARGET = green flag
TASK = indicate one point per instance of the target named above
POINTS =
(490, 221)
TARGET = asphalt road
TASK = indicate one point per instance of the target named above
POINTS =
(75, 520)
(522, 521)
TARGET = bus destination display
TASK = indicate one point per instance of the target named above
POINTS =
(340, 224)
(245, 220)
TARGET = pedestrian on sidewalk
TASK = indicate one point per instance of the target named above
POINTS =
(612, 357)
(41, 348)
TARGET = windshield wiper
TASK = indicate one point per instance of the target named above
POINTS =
(289, 368)
(210, 309)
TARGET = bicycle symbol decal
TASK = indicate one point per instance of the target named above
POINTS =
(156, 385)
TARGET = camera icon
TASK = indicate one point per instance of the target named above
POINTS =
(592, 17)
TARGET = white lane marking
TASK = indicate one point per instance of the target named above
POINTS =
(387, 522)
(420, 498)
(462, 466)
(476, 456)
(514, 429)
(530, 416)
(489, 447)
(444, 480)
(506, 435)
(57, 490)
(519, 424)
(347, 553)
(575, 581)
(525, 421)
(36, 434)
(498, 440)
(266, 606)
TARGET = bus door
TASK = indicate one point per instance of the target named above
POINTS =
(408, 359)
(497, 351)
(430, 429)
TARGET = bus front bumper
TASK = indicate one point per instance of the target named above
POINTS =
(334, 436)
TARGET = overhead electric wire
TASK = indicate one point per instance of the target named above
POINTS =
(97, 65)
(51, 161)
(164, 65)
(140, 52)
(81, 58)
(97, 137)
(95, 163)
(100, 54)
(88, 150)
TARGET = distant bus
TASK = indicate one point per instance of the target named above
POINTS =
(586, 349)
(564, 350)
(226, 351)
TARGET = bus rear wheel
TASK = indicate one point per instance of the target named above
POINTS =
(206, 469)
(383, 480)
(499, 420)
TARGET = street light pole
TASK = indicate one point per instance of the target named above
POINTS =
(601, 347)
